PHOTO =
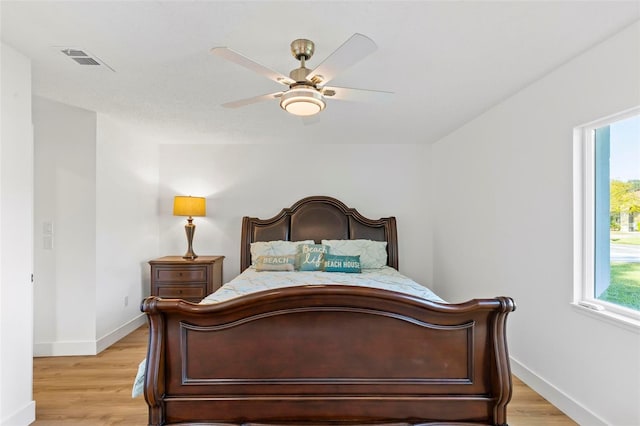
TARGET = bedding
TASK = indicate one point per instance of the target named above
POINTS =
(275, 263)
(337, 263)
(310, 257)
(373, 254)
(275, 248)
(385, 278)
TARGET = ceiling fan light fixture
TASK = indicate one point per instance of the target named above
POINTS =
(302, 101)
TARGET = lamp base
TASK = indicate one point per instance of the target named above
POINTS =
(190, 229)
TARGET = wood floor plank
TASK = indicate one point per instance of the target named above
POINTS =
(96, 390)
(91, 390)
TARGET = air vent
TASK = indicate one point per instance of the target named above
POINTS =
(86, 61)
(81, 56)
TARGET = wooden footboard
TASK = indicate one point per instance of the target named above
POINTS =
(327, 355)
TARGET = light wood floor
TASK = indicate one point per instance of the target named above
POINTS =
(96, 390)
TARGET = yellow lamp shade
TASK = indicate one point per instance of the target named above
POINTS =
(189, 206)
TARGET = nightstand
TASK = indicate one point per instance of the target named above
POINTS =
(173, 277)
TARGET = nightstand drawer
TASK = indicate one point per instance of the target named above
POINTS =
(174, 277)
(179, 275)
(175, 292)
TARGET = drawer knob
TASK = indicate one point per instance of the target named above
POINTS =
(180, 273)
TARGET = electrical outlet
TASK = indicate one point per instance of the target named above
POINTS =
(126, 301)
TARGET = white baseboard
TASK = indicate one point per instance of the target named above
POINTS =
(579, 413)
(91, 347)
(64, 348)
(105, 341)
(23, 417)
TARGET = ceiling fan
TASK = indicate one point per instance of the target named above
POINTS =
(307, 90)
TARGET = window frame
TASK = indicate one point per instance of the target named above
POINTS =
(584, 227)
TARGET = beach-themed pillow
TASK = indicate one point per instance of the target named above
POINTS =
(337, 263)
(373, 254)
(275, 263)
(275, 248)
(310, 257)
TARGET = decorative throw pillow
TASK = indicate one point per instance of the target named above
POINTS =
(373, 254)
(337, 263)
(310, 257)
(275, 248)
(275, 263)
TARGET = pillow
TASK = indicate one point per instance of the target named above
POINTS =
(310, 257)
(373, 254)
(275, 263)
(275, 248)
(337, 263)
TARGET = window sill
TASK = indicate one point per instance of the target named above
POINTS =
(618, 320)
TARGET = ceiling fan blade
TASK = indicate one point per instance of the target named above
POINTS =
(238, 58)
(253, 100)
(358, 95)
(351, 51)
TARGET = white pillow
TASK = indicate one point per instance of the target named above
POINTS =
(373, 254)
(275, 248)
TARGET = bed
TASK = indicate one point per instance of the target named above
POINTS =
(326, 354)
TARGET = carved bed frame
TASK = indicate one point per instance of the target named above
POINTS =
(327, 354)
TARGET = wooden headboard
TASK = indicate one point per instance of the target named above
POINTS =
(318, 218)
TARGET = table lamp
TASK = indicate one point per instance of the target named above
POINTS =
(189, 206)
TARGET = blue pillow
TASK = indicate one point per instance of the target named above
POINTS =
(310, 257)
(336, 263)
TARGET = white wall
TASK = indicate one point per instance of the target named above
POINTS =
(126, 226)
(96, 183)
(260, 180)
(16, 229)
(503, 226)
(65, 196)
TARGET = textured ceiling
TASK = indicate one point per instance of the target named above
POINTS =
(446, 62)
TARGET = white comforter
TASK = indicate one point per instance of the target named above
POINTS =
(252, 281)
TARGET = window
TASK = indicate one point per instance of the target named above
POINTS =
(608, 216)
